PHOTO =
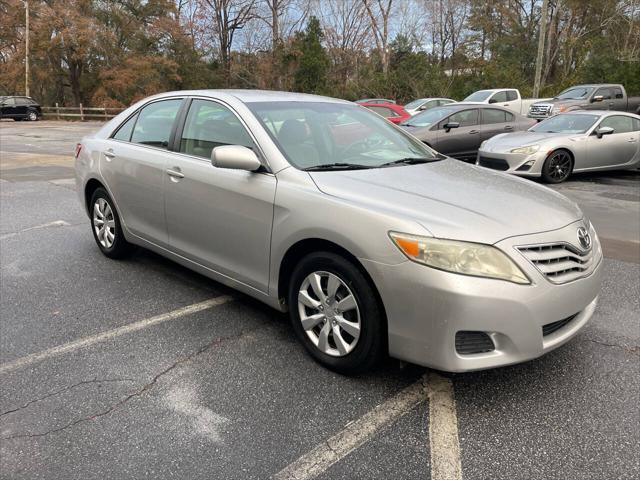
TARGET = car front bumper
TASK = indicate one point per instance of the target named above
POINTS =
(526, 165)
(426, 308)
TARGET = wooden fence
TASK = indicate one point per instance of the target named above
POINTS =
(81, 113)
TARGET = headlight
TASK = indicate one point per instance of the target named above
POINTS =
(465, 258)
(526, 150)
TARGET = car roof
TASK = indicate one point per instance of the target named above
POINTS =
(594, 85)
(250, 96)
(601, 113)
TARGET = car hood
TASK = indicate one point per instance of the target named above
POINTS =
(454, 200)
(507, 141)
(419, 132)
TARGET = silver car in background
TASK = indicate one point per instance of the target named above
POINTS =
(373, 242)
(577, 141)
(421, 104)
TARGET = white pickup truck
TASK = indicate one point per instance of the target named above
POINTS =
(504, 97)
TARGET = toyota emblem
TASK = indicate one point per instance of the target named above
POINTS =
(584, 238)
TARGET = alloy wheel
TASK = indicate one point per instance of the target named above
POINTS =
(559, 166)
(104, 223)
(33, 116)
(329, 313)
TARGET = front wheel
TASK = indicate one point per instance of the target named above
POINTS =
(106, 227)
(557, 167)
(335, 313)
(33, 116)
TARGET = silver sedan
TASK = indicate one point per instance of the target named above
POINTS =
(579, 141)
(373, 242)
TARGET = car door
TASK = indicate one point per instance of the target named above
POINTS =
(618, 148)
(22, 107)
(9, 107)
(462, 142)
(618, 101)
(133, 163)
(495, 121)
(217, 217)
(605, 104)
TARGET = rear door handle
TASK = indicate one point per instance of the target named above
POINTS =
(109, 154)
(508, 127)
(175, 172)
(473, 132)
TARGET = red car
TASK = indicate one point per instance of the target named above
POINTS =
(391, 111)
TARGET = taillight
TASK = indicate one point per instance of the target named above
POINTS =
(78, 148)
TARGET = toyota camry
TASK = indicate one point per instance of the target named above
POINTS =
(373, 242)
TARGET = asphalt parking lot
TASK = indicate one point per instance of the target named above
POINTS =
(143, 369)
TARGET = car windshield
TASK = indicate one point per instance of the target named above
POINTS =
(479, 96)
(427, 117)
(414, 104)
(566, 123)
(313, 135)
(575, 93)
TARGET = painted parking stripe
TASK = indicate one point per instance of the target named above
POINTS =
(443, 432)
(443, 429)
(354, 435)
(116, 332)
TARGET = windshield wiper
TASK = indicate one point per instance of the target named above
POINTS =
(336, 166)
(410, 161)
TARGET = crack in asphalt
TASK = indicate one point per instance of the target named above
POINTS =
(631, 350)
(141, 391)
(62, 390)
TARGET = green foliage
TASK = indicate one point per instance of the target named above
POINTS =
(311, 73)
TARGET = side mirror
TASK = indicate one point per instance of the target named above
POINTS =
(604, 131)
(597, 98)
(235, 157)
(450, 125)
(493, 100)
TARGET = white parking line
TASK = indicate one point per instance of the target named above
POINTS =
(353, 435)
(56, 223)
(443, 432)
(116, 332)
(443, 429)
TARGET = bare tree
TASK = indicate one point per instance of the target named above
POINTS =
(379, 12)
(229, 16)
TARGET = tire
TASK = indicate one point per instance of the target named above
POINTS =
(32, 116)
(112, 242)
(348, 351)
(557, 167)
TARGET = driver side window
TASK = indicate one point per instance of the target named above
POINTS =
(466, 118)
(209, 125)
(499, 97)
(604, 92)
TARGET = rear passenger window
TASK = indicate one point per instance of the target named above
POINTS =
(209, 125)
(155, 122)
(124, 132)
(493, 115)
(617, 92)
(510, 117)
(512, 95)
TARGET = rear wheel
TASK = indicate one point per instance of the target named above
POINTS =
(557, 167)
(335, 313)
(106, 227)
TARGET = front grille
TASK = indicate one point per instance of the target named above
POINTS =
(541, 110)
(549, 328)
(468, 342)
(493, 163)
(559, 262)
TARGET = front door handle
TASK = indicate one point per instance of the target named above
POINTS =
(175, 172)
(508, 127)
(109, 154)
(473, 132)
